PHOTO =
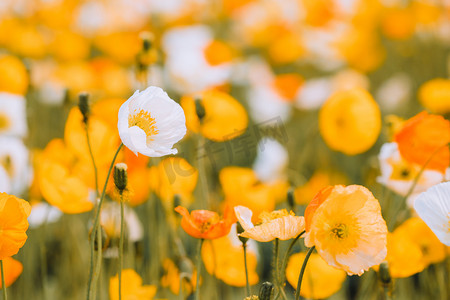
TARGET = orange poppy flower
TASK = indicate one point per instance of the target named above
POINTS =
(421, 136)
(206, 224)
(12, 270)
(346, 227)
(13, 223)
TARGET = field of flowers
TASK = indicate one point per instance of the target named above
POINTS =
(225, 149)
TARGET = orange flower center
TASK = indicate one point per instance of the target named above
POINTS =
(217, 53)
(403, 171)
(287, 85)
(4, 122)
(204, 219)
(6, 162)
(144, 121)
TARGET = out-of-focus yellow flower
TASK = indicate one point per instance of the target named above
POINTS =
(242, 187)
(14, 224)
(132, 288)
(104, 140)
(434, 95)
(320, 179)
(224, 117)
(404, 256)
(59, 183)
(287, 85)
(345, 225)
(225, 260)
(318, 12)
(12, 269)
(361, 48)
(27, 40)
(319, 280)
(13, 75)
(113, 45)
(398, 23)
(108, 110)
(286, 48)
(427, 12)
(420, 138)
(112, 79)
(172, 277)
(77, 76)
(174, 176)
(218, 52)
(67, 45)
(432, 249)
(350, 121)
(279, 224)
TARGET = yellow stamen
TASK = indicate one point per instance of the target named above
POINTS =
(265, 217)
(339, 231)
(144, 121)
(4, 122)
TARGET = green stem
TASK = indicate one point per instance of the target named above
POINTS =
(5, 297)
(244, 245)
(199, 265)
(96, 231)
(275, 271)
(93, 161)
(286, 255)
(302, 271)
(122, 228)
(416, 179)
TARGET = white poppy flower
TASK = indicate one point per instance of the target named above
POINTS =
(14, 158)
(13, 120)
(433, 206)
(5, 184)
(43, 213)
(271, 160)
(150, 123)
(398, 175)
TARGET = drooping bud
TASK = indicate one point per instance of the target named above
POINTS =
(383, 273)
(199, 109)
(291, 198)
(265, 292)
(83, 105)
(120, 177)
(240, 230)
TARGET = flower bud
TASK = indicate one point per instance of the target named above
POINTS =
(120, 177)
(199, 109)
(240, 230)
(265, 292)
(83, 105)
(383, 273)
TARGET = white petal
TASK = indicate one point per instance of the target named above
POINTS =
(433, 206)
(244, 216)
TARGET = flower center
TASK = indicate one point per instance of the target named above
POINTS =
(6, 162)
(4, 122)
(265, 217)
(144, 121)
(339, 231)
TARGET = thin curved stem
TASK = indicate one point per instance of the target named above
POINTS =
(286, 255)
(96, 233)
(5, 296)
(276, 268)
(247, 285)
(199, 265)
(122, 229)
(302, 271)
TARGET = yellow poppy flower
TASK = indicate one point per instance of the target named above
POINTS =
(319, 280)
(225, 260)
(404, 256)
(434, 95)
(12, 269)
(68, 45)
(225, 118)
(433, 250)
(13, 75)
(112, 45)
(174, 176)
(350, 121)
(14, 224)
(279, 224)
(132, 288)
(320, 179)
(346, 227)
(398, 23)
(242, 187)
(171, 277)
